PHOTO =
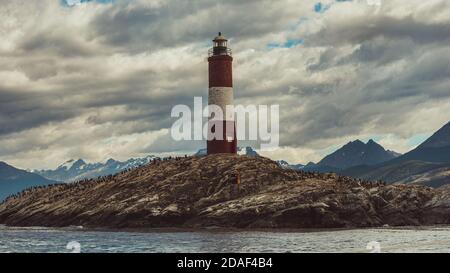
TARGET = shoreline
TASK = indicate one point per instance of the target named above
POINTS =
(218, 229)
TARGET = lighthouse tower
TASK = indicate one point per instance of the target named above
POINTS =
(221, 94)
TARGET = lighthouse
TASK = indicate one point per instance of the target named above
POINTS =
(220, 93)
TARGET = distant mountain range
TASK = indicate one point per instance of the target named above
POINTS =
(13, 180)
(357, 153)
(428, 164)
(352, 154)
(74, 170)
(286, 165)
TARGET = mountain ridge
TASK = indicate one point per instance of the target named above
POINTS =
(440, 138)
(73, 170)
(354, 153)
(14, 180)
(357, 153)
(427, 164)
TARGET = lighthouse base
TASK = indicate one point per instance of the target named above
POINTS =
(228, 143)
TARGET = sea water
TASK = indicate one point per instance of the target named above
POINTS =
(39, 240)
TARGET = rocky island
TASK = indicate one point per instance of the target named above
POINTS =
(202, 192)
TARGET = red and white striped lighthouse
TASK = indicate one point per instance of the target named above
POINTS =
(221, 94)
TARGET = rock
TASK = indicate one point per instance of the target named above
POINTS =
(202, 192)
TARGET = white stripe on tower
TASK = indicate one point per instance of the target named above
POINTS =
(222, 96)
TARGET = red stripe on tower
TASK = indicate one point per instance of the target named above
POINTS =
(220, 71)
(221, 94)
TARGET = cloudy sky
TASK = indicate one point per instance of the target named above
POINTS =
(98, 79)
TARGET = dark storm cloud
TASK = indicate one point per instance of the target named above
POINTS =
(21, 110)
(68, 98)
(382, 51)
(146, 28)
(59, 44)
(375, 103)
(362, 29)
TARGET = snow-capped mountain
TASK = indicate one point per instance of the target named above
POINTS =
(248, 151)
(284, 164)
(74, 170)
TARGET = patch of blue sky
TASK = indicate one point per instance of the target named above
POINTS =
(71, 3)
(320, 7)
(287, 44)
(412, 142)
(418, 139)
(295, 25)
